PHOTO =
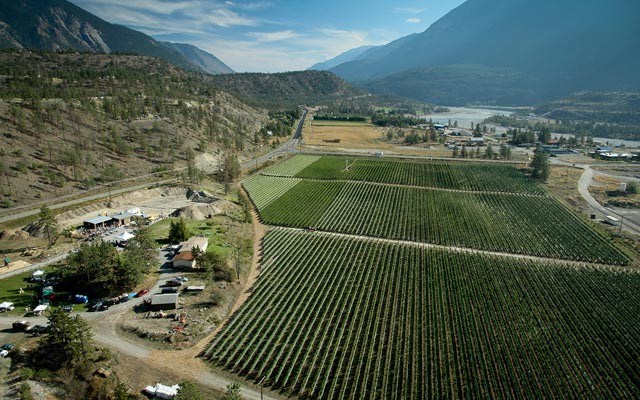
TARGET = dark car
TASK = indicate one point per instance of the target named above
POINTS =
(169, 290)
(21, 326)
(99, 306)
(40, 328)
(7, 346)
(67, 308)
(173, 283)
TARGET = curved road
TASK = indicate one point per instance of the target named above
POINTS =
(583, 187)
(103, 326)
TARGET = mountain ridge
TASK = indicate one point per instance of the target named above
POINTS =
(58, 25)
(564, 55)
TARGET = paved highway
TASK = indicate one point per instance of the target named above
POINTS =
(583, 187)
(288, 147)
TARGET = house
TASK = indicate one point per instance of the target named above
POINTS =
(195, 241)
(184, 260)
(165, 301)
(476, 141)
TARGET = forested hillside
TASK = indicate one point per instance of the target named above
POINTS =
(288, 89)
(72, 121)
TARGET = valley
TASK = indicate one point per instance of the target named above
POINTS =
(444, 205)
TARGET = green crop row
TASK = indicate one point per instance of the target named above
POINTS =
(292, 166)
(264, 190)
(510, 223)
(333, 317)
(492, 177)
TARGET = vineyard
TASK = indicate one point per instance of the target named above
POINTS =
(457, 176)
(336, 317)
(499, 222)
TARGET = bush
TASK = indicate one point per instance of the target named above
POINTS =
(25, 391)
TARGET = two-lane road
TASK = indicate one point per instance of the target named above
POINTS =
(289, 146)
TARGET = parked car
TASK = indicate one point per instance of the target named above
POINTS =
(100, 306)
(7, 346)
(169, 290)
(40, 328)
(173, 283)
(4, 353)
(182, 279)
(21, 326)
(67, 308)
(142, 292)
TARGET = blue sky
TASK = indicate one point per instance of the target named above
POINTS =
(273, 35)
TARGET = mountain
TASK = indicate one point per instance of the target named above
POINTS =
(347, 56)
(510, 52)
(71, 121)
(206, 61)
(286, 89)
(57, 25)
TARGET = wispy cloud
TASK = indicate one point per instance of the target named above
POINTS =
(153, 16)
(273, 36)
(414, 20)
(408, 10)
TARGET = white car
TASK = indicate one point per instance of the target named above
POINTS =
(4, 353)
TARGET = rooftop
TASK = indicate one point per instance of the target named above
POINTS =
(165, 298)
(98, 220)
(194, 241)
(185, 255)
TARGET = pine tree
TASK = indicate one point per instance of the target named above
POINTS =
(188, 391)
(48, 223)
(540, 165)
(67, 343)
(488, 153)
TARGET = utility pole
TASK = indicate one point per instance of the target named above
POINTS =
(238, 264)
(621, 223)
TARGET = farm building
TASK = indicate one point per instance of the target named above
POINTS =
(123, 218)
(165, 301)
(184, 260)
(97, 222)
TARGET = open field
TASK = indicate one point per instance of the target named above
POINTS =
(350, 135)
(334, 317)
(317, 122)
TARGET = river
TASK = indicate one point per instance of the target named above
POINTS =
(464, 115)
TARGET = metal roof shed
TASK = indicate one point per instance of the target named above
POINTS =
(165, 301)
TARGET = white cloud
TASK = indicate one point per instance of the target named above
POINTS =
(225, 18)
(414, 20)
(166, 16)
(273, 36)
(409, 10)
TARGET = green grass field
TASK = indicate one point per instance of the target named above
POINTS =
(212, 228)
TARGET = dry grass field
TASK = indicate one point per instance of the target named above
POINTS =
(361, 137)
